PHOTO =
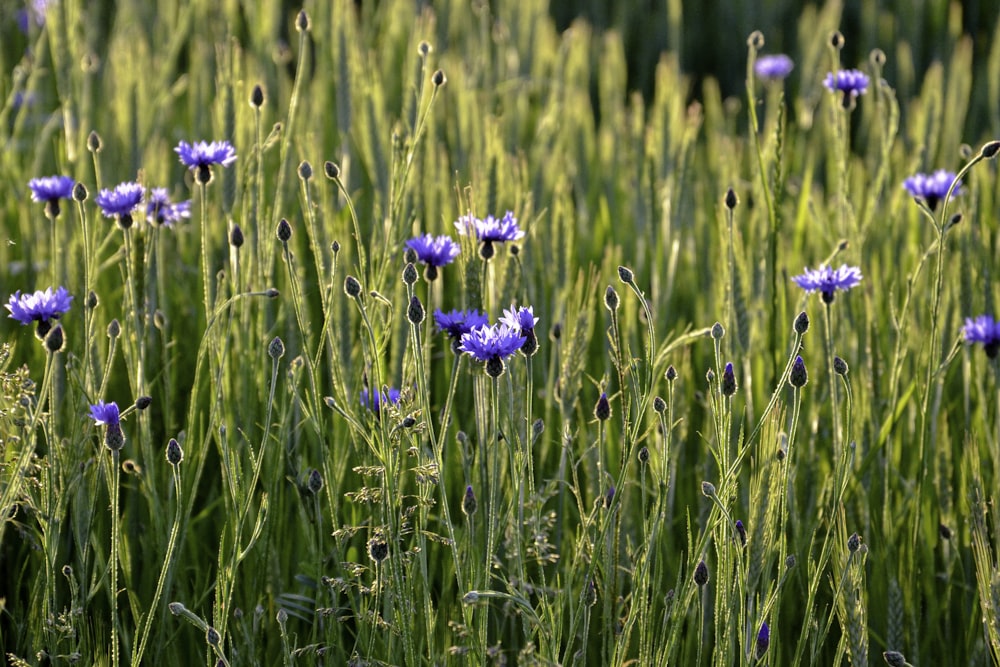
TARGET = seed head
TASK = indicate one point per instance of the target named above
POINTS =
(80, 192)
(801, 323)
(626, 275)
(611, 300)
(276, 348)
(236, 237)
(438, 78)
(55, 339)
(701, 573)
(257, 97)
(469, 504)
(602, 409)
(315, 483)
(352, 287)
(284, 231)
(731, 199)
(415, 313)
(174, 452)
(331, 170)
(840, 366)
(305, 170)
(798, 376)
(410, 273)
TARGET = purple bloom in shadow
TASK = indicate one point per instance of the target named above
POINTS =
(932, 188)
(105, 413)
(374, 400)
(774, 68)
(456, 323)
(160, 210)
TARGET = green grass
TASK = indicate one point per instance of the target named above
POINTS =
(300, 524)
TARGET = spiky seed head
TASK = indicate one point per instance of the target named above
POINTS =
(801, 323)
(352, 287)
(143, 402)
(302, 21)
(315, 483)
(602, 409)
(114, 329)
(284, 231)
(701, 573)
(410, 273)
(438, 78)
(257, 97)
(236, 237)
(718, 331)
(659, 405)
(671, 373)
(80, 193)
(611, 300)
(305, 170)
(94, 143)
(55, 339)
(332, 170)
(840, 366)
(415, 313)
(626, 275)
(276, 348)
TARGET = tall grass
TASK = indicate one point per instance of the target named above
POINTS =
(622, 496)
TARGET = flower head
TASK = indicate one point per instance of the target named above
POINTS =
(492, 345)
(491, 229)
(201, 155)
(932, 188)
(849, 82)
(456, 323)
(374, 400)
(983, 329)
(521, 319)
(774, 68)
(120, 202)
(434, 251)
(39, 307)
(160, 210)
(827, 280)
(50, 189)
(105, 413)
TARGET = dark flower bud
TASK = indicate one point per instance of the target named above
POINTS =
(801, 323)
(352, 287)
(741, 532)
(537, 428)
(590, 598)
(671, 373)
(644, 455)
(945, 532)
(276, 348)
(469, 504)
(853, 542)
(410, 273)
(125, 221)
(55, 339)
(331, 170)
(953, 221)
(257, 97)
(839, 366)
(305, 170)
(837, 40)
(659, 405)
(602, 410)
(203, 174)
(701, 573)
(378, 550)
(718, 331)
(315, 483)
(609, 497)
(335, 247)
(93, 301)
(625, 275)
(708, 489)
(94, 143)
(894, 659)
(515, 249)
(143, 402)
(611, 300)
(415, 313)
(212, 636)
(789, 561)
(530, 345)
(731, 199)
(763, 641)
(798, 376)
(236, 237)
(114, 329)
(486, 250)
(424, 48)
(990, 149)
(114, 439)
(302, 21)
(438, 78)
(174, 452)
(710, 376)
(555, 333)
(728, 380)
(80, 192)
(271, 293)
(284, 231)
(282, 616)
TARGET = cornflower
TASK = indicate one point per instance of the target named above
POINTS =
(490, 231)
(50, 189)
(932, 188)
(121, 202)
(39, 307)
(849, 83)
(492, 345)
(160, 210)
(774, 68)
(201, 155)
(985, 330)
(827, 280)
(434, 252)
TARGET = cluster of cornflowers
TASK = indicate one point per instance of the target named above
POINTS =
(492, 345)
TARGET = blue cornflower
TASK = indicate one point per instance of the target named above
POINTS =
(849, 82)
(932, 188)
(34, 13)
(108, 415)
(458, 322)
(434, 251)
(774, 68)
(374, 400)
(492, 345)
(523, 320)
(39, 307)
(121, 202)
(201, 155)
(50, 189)
(105, 413)
(161, 210)
(763, 640)
(826, 280)
(985, 330)
(490, 231)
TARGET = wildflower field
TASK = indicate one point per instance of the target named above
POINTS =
(409, 333)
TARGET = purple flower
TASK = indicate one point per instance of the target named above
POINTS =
(39, 307)
(50, 189)
(459, 322)
(35, 12)
(849, 82)
(763, 640)
(826, 280)
(490, 231)
(492, 345)
(434, 251)
(521, 319)
(932, 188)
(774, 68)
(985, 330)
(105, 413)
(375, 399)
(200, 156)
(162, 211)
(121, 202)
